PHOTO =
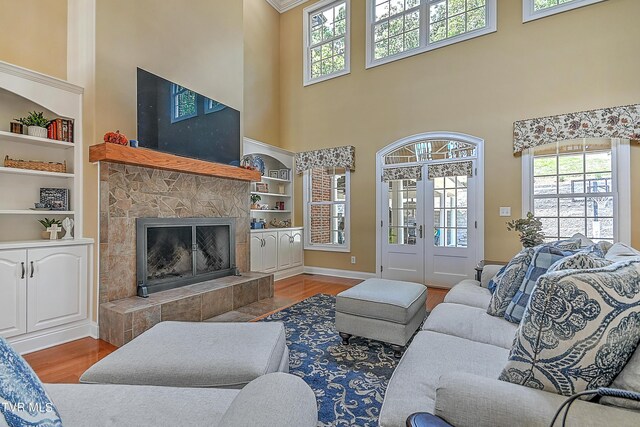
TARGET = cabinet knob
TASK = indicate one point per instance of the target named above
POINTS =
(23, 270)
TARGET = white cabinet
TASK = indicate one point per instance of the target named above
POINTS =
(277, 251)
(264, 251)
(41, 288)
(289, 249)
(57, 291)
(13, 293)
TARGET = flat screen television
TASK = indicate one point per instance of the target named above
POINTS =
(176, 120)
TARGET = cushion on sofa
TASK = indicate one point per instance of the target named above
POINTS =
(390, 300)
(471, 323)
(622, 252)
(492, 284)
(543, 257)
(578, 331)
(580, 261)
(469, 292)
(584, 240)
(511, 279)
(24, 399)
(413, 385)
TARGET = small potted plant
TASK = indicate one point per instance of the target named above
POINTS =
(254, 201)
(530, 229)
(46, 223)
(36, 124)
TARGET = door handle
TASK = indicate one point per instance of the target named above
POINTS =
(264, 243)
(23, 270)
(31, 276)
(420, 231)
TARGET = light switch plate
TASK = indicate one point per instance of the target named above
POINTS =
(505, 210)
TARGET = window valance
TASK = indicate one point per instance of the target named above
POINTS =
(341, 157)
(615, 122)
(406, 172)
(441, 170)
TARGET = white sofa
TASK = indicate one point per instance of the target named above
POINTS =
(452, 366)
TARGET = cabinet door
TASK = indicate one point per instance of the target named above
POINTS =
(256, 252)
(297, 252)
(56, 286)
(13, 293)
(270, 252)
(284, 250)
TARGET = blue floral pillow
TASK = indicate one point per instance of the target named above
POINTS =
(509, 282)
(493, 283)
(579, 330)
(543, 258)
(23, 400)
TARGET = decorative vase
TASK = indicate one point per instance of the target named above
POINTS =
(38, 131)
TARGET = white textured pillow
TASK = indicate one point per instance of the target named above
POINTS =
(622, 252)
(584, 240)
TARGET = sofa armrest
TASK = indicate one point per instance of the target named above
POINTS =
(471, 400)
(488, 271)
(275, 399)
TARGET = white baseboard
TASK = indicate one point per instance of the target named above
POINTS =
(279, 275)
(55, 336)
(94, 330)
(347, 274)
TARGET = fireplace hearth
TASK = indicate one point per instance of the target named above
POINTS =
(174, 252)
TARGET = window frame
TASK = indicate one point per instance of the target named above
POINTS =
(529, 13)
(176, 91)
(621, 183)
(307, 203)
(306, 17)
(424, 44)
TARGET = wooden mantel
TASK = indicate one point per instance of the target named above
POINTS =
(115, 153)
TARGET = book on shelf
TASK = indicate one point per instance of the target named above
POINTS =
(60, 130)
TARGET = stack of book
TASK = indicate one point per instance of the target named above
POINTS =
(60, 130)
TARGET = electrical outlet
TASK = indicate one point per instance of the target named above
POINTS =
(505, 211)
(353, 260)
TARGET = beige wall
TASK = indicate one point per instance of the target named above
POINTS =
(33, 34)
(569, 62)
(261, 72)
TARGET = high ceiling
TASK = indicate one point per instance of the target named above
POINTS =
(284, 5)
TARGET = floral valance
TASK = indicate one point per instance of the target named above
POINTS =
(341, 157)
(615, 122)
(451, 169)
(406, 172)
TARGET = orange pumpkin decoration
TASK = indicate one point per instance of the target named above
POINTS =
(116, 138)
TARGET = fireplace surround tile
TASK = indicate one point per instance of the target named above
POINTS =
(245, 294)
(187, 309)
(217, 302)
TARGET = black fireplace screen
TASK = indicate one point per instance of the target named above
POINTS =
(180, 251)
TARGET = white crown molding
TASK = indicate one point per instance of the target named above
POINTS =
(284, 5)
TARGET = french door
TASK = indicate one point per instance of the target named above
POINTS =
(429, 229)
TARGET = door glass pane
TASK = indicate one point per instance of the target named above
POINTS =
(402, 212)
(450, 213)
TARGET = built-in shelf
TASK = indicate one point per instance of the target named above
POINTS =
(269, 210)
(114, 153)
(25, 244)
(34, 140)
(32, 212)
(270, 194)
(268, 178)
(37, 173)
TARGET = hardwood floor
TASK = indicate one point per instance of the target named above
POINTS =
(66, 363)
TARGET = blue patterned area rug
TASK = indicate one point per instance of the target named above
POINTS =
(349, 381)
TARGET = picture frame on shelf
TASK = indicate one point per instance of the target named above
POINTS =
(284, 174)
(262, 187)
(274, 173)
(56, 198)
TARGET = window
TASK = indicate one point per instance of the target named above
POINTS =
(326, 41)
(183, 103)
(579, 186)
(326, 204)
(401, 28)
(534, 9)
(211, 106)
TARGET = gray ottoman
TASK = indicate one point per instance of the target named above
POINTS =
(182, 354)
(384, 310)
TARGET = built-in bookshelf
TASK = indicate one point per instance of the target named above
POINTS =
(22, 91)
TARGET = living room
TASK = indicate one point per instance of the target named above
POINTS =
(342, 132)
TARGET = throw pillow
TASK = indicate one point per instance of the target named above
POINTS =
(509, 282)
(543, 258)
(579, 330)
(493, 283)
(621, 252)
(580, 261)
(628, 379)
(584, 240)
(24, 400)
